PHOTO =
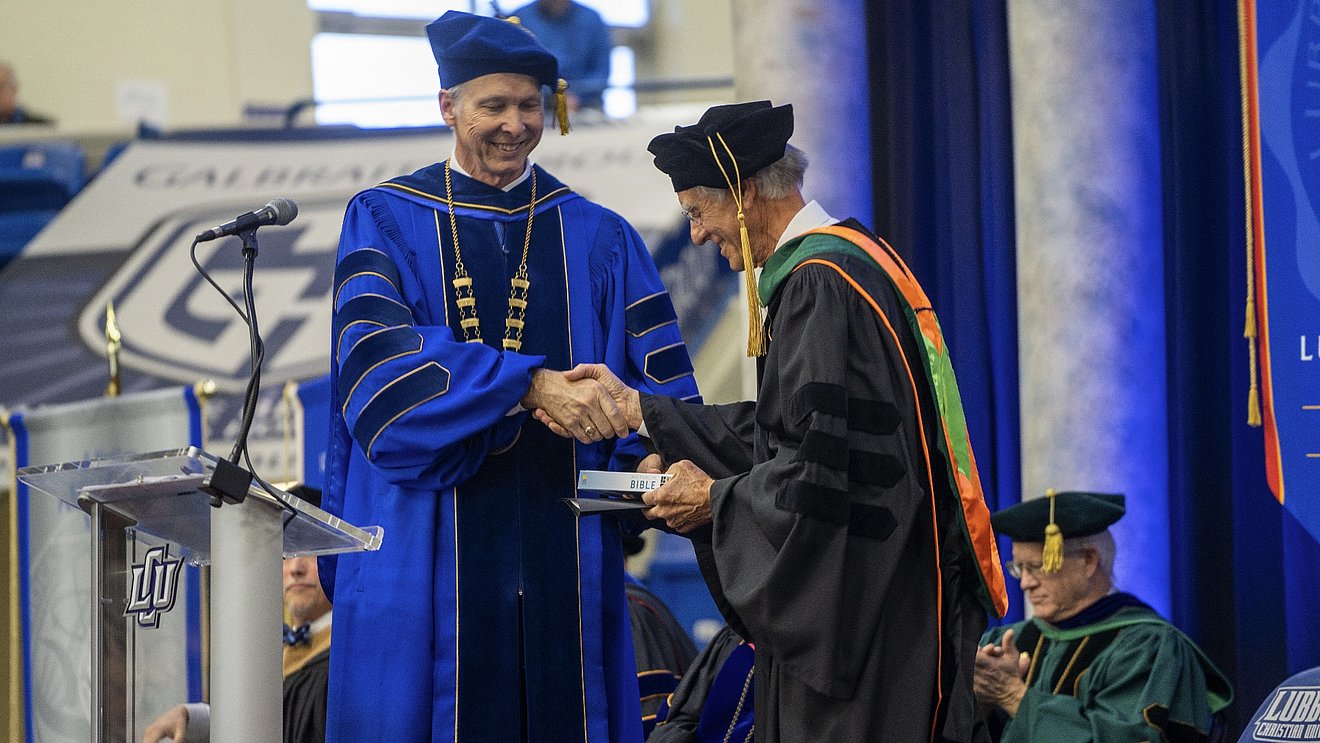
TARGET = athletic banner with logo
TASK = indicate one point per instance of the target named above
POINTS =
(53, 552)
(1281, 95)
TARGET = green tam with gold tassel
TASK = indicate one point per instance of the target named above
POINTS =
(1056, 517)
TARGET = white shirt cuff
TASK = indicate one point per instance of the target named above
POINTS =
(199, 722)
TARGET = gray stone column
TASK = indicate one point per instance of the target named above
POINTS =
(1090, 266)
(812, 53)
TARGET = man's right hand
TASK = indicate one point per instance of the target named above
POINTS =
(581, 407)
(173, 725)
(627, 398)
(999, 674)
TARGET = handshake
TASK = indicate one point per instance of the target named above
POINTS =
(587, 403)
(590, 404)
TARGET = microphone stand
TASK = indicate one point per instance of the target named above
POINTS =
(247, 545)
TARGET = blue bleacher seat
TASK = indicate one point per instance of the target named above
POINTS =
(39, 176)
(18, 228)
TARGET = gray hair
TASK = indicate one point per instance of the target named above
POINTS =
(1103, 544)
(456, 92)
(777, 180)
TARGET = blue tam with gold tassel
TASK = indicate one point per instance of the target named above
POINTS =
(467, 46)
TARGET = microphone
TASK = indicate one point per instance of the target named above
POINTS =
(278, 211)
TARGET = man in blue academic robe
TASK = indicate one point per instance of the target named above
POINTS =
(490, 612)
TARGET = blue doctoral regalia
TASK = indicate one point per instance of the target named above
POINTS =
(490, 613)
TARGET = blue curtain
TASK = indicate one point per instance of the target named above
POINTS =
(942, 144)
(1244, 572)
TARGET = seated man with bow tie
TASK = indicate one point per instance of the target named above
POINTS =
(306, 663)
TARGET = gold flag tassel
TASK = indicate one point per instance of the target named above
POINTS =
(1246, 70)
(756, 343)
(561, 106)
(1051, 558)
(113, 342)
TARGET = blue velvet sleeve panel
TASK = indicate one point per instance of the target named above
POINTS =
(424, 408)
(642, 344)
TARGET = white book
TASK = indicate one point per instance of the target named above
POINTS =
(625, 483)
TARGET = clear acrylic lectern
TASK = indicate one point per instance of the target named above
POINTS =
(159, 494)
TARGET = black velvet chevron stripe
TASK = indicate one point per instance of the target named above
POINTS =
(818, 397)
(821, 448)
(871, 522)
(873, 416)
(372, 351)
(372, 308)
(834, 506)
(403, 394)
(366, 261)
(816, 501)
(646, 315)
(656, 683)
(668, 364)
(872, 468)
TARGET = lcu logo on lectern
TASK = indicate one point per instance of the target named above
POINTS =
(154, 586)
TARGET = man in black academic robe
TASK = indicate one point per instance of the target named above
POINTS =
(306, 663)
(838, 520)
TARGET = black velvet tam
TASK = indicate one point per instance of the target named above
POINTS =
(756, 133)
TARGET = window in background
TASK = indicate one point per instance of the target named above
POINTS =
(366, 74)
(622, 13)
(427, 9)
(620, 101)
(374, 81)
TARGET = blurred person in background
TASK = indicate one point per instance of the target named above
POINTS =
(579, 39)
(11, 112)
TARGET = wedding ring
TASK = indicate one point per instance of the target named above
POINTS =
(590, 429)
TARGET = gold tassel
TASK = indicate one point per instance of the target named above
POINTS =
(756, 342)
(1051, 558)
(1246, 58)
(755, 327)
(1253, 394)
(561, 106)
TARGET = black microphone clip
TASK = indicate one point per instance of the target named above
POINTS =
(277, 212)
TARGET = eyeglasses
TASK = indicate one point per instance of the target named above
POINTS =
(693, 215)
(1018, 568)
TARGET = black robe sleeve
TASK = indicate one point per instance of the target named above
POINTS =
(719, 440)
(716, 438)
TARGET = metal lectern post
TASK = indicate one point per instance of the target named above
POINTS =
(110, 666)
(245, 614)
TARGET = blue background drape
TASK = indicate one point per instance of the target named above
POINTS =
(1243, 572)
(942, 144)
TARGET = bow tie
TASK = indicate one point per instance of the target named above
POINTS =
(300, 636)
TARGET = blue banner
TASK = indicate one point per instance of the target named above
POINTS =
(1284, 183)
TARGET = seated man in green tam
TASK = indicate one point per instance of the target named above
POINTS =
(1094, 663)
